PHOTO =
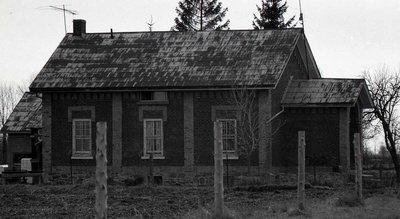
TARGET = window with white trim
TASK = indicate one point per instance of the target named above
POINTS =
(153, 138)
(81, 138)
(228, 130)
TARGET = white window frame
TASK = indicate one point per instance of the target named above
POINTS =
(158, 155)
(228, 154)
(81, 154)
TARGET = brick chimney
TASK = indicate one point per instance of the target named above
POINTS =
(79, 27)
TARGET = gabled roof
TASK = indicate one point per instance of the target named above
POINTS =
(142, 60)
(325, 92)
(26, 115)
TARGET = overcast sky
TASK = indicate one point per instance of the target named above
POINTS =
(346, 36)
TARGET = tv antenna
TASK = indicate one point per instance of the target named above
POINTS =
(73, 12)
(151, 24)
(301, 18)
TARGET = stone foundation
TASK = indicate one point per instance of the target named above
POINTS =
(200, 176)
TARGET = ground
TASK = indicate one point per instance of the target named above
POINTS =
(77, 201)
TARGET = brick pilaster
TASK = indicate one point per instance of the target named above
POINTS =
(117, 130)
(344, 136)
(265, 141)
(188, 123)
(46, 138)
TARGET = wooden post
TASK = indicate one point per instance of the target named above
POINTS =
(151, 170)
(218, 172)
(101, 170)
(301, 170)
(358, 165)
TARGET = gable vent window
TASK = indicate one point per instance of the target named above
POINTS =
(153, 96)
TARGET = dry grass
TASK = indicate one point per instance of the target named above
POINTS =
(72, 201)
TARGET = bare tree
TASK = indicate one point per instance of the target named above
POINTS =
(23, 86)
(384, 87)
(8, 100)
(245, 102)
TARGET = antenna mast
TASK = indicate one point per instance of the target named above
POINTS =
(301, 18)
(73, 12)
(151, 24)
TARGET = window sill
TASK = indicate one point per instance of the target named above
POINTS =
(230, 157)
(82, 158)
(153, 102)
(154, 158)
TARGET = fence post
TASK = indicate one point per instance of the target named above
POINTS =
(358, 165)
(301, 170)
(101, 170)
(218, 172)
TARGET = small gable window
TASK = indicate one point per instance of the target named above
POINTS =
(81, 138)
(153, 96)
(153, 138)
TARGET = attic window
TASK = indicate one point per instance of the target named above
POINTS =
(153, 96)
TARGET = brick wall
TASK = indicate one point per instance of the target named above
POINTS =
(18, 144)
(322, 135)
(204, 102)
(132, 129)
(68, 106)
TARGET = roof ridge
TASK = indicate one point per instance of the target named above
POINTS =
(328, 79)
(204, 31)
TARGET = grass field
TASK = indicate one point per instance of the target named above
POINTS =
(77, 201)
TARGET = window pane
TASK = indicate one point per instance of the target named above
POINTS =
(86, 145)
(157, 130)
(78, 144)
(146, 95)
(158, 144)
(228, 135)
(153, 133)
(82, 136)
(149, 128)
(160, 95)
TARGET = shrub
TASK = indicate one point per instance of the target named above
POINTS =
(134, 182)
(349, 201)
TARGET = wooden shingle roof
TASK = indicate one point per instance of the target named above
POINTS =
(326, 91)
(168, 60)
(27, 114)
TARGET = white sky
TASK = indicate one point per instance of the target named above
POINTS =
(346, 36)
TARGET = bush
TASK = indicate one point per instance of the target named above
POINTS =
(349, 201)
(134, 182)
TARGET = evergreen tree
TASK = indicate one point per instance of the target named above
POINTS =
(271, 15)
(194, 15)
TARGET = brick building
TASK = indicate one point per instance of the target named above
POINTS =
(22, 129)
(160, 92)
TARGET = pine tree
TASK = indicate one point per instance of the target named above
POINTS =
(194, 15)
(271, 15)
